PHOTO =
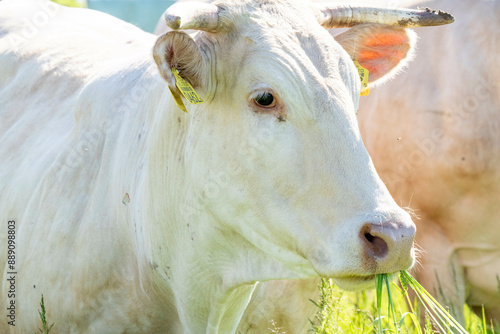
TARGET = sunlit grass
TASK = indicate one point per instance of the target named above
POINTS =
(392, 312)
(71, 3)
(387, 309)
(439, 315)
(45, 327)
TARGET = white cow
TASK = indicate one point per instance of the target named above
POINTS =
(437, 148)
(130, 215)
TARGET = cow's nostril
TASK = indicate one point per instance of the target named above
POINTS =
(377, 245)
(369, 237)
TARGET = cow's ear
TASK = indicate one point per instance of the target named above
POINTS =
(382, 49)
(177, 50)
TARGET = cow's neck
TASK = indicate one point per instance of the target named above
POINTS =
(182, 258)
(207, 272)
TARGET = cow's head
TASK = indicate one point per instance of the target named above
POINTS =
(275, 154)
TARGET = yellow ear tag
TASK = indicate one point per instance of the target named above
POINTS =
(177, 99)
(186, 89)
(363, 76)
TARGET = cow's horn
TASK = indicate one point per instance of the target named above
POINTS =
(192, 15)
(331, 15)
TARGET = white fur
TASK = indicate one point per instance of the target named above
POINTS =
(133, 216)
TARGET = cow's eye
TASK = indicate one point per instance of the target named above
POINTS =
(265, 100)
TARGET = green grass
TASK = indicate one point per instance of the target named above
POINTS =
(388, 309)
(70, 3)
(362, 312)
(45, 328)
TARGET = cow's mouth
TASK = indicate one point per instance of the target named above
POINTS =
(354, 282)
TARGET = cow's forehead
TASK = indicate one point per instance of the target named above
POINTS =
(288, 14)
(308, 60)
(275, 28)
(281, 43)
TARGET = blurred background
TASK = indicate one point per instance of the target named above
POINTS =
(142, 13)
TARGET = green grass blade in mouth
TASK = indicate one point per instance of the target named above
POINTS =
(380, 286)
(441, 318)
(341, 312)
(390, 310)
(484, 322)
(438, 313)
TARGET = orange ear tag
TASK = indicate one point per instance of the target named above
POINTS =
(363, 76)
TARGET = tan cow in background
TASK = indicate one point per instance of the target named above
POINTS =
(434, 136)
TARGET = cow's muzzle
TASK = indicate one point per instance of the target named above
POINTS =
(388, 246)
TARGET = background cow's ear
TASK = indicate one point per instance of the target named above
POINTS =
(382, 49)
(178, 50)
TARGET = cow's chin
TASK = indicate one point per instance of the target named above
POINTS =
(355, 283)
